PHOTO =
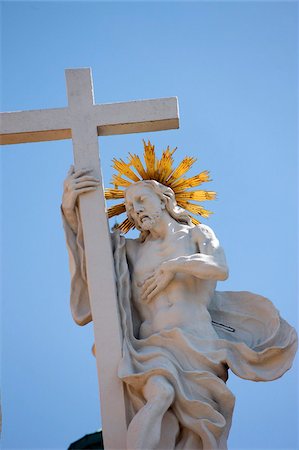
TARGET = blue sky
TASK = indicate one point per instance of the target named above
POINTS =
(233, 66)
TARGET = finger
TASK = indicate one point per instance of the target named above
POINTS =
(150, 277)
(71, 170)
(86, 178)
(159, 283)
(84, 190)
(148, 282)
(84, 184)
(152, 294)
(149, 290)
(81, 172)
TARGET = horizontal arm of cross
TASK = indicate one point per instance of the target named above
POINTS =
(111, 118)
(34, 126)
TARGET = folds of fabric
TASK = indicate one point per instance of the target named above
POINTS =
(254, 342)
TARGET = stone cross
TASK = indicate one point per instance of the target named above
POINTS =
(83, 121)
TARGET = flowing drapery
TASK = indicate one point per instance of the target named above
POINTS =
(253, 341)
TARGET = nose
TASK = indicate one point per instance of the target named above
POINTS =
(138, 207)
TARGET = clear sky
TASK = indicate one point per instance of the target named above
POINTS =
(233, 66)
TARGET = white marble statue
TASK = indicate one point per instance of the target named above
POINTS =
(180, 336)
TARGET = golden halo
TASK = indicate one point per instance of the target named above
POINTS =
(161, 170)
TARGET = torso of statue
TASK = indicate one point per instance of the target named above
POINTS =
(183, 303)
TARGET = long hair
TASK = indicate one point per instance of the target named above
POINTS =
(167, 195)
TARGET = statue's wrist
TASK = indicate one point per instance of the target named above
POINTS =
(70, 217)
(168, 266)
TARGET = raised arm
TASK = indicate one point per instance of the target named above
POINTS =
(76, 183)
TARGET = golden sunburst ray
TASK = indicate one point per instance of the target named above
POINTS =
(182, 168)
(115, 210)
(198, 196)
(164, 165)
(194, 221)
(150, 159)
(112, 194)
(194, 209)
(117, 180)
(137, 164)
(161, 170)
(186, 183)
(124, 169)
(126, 226)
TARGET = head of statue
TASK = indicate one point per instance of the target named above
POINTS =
(146, 201)
(159, 179)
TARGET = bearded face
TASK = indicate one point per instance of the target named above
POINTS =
(143, 206)
(147, 222)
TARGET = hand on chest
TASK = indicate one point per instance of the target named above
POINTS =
(152, 254)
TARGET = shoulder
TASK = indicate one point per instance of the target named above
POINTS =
(203, 233)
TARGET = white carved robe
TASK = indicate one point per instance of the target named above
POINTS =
(254, 342)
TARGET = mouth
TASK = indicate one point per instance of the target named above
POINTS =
(144, 217)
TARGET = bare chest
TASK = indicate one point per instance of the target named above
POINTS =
(150, 255)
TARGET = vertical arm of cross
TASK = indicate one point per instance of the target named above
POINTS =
(99, 261)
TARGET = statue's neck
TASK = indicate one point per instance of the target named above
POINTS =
(163, 228)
